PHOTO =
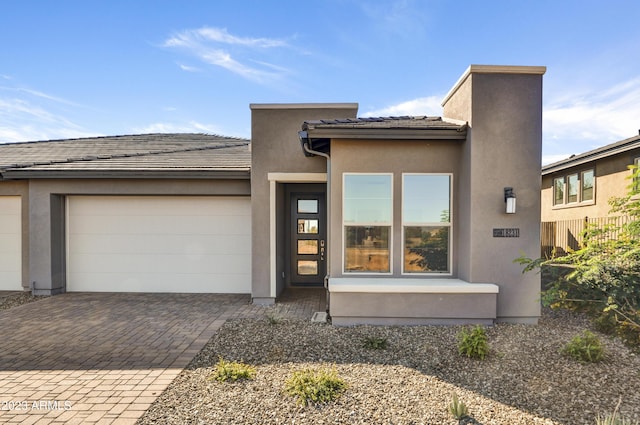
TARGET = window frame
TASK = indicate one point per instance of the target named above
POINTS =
(593, 186)
(564, 181)
(448, 224)
(372, 224)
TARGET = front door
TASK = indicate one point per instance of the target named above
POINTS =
(307, 237)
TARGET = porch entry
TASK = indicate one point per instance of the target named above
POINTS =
(306, 225)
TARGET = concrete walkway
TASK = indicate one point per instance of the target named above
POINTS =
(104, 358)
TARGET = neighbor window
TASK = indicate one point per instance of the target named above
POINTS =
(636, 178)
(367, 218)
(587, 186)
(426, 223)
(574, 188)
(558, 191)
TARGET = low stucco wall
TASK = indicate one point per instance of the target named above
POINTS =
(348, 309)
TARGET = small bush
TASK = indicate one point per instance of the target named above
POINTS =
(315, 387)
(375, 343)
(614, 418)
(232, 371)
(457, 408)
(585, 347)
(273, 317)
(473, 343)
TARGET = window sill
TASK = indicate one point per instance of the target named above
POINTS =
(397, 285)
(573, 205)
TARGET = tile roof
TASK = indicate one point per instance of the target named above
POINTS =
(403, 122)
(144, 153)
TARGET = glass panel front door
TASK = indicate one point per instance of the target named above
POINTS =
(307, 240)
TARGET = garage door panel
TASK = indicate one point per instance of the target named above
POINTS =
(159, 244)
(158, 225)
(160, 282)
(10, 243)
(212, 264)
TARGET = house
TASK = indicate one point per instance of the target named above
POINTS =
(576, 191)
(405, 220)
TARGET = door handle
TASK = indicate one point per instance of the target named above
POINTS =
(322, 250)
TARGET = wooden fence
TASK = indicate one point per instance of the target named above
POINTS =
(559, 237)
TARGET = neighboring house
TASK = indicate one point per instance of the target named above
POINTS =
(403, 219)
(576, 191)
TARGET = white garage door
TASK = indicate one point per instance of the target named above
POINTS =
(159, 244)
(10, 243)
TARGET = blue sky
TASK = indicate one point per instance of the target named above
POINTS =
(85, 68)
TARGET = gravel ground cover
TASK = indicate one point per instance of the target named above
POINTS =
(16, 299)
(524, 380)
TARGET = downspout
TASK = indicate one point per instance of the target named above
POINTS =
(307, 148)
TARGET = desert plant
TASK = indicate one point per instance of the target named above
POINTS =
(473, 343)
(457, 408)
(232, 371)
(585, 347)
(273, 317)
(603, 275)
(315, 386)
(614, 418)
(375, 343)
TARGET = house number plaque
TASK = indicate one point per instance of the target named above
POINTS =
(506, 233)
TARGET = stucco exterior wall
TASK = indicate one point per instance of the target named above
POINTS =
(46, 215)
(503, 149)
(396, 157)
(275, 148)
(21, 188)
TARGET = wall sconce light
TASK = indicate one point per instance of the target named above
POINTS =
(510, 200)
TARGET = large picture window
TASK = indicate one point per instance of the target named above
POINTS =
(426, 223)
(367, 218)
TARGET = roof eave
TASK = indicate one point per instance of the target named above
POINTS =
(388, 133)
(227, 174)
(614, 149)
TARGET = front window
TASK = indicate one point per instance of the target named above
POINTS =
(426, 220)
(367, 218)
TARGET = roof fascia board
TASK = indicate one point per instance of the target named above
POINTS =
(21, 174)
(387, 134)
(258, 106)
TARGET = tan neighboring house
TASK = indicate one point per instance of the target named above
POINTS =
(404, 220)
(576, 191)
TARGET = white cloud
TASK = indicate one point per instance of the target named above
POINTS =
(167, 127)
(420, 106)
(189, 68)
(215, 46)
(594, 118)
(22, 119)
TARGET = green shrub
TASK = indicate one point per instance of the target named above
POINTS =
(232, 371)
(614, 418)
(315, 386)
(273, 317)
(457, 408)
(473, 343)
(375, 343)
(585, 347)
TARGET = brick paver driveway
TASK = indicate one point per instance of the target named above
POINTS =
(102, 358)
